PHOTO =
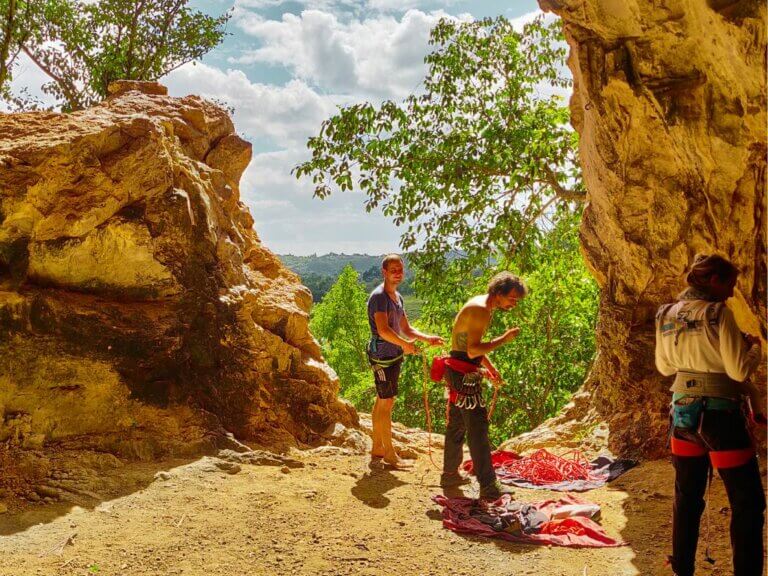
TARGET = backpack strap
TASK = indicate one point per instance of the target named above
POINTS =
(663, 309)
(712, 313)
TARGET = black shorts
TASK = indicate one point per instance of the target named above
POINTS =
(386, 379)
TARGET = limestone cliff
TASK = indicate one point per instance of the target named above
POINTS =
(139, 312)
(669, 101)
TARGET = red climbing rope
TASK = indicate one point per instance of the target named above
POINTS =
(427, 411)
(543, 467)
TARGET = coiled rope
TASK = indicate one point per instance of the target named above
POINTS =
(543, 467)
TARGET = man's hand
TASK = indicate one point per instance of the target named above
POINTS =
(409, 348)
(493, 375)
(511, 334)
(434, 340)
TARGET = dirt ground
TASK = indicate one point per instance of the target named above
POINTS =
(330, 513)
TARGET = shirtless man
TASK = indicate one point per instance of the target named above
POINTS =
(468, 363)
(391, 337)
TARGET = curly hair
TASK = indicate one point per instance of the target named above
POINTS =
(504, 282)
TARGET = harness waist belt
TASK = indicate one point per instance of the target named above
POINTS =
(461, 366)
(714, 384)
(380, 362)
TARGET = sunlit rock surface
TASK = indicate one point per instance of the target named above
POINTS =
(669, 102)
(139, 312)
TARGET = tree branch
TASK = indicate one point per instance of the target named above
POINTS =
(562, 193)
(5, 48)
(67, 88)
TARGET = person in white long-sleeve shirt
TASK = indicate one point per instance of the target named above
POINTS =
(699, 342)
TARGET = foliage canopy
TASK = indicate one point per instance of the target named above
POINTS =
(340, 324)
(84, 46)
(542, 367)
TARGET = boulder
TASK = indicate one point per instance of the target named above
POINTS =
(669, 103)
(140, 314)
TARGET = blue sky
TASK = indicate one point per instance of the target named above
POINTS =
(289, 64)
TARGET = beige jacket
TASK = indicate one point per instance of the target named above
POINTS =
(701, 336)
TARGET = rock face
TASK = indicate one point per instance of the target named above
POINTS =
(669, 102)
(139, 312)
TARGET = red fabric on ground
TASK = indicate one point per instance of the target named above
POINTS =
(575, 532)
(498, 459)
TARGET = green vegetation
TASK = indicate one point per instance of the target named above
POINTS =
(480, 170)
(542, 367)
(83, 46)
(340, 323)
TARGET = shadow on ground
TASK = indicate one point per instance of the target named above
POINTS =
(371, 488)
(70, 483)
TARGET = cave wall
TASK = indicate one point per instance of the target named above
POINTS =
(139, 311)
(669, 102)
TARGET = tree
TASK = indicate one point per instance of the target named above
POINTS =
(480, 169)
(471, 163)
(17, 20)
(547, 362)
(83, 46)
(340, 324)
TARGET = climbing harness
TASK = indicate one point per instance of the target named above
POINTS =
(379, 365)
(467, 394)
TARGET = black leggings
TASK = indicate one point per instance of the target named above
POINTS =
(721, 432)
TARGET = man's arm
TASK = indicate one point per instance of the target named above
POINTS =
(493, 372)
(477, 323)
(410, 332)
(386, 333)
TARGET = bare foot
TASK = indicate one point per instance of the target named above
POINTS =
(398, 464)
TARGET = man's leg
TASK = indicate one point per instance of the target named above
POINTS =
(386, 386)
(454, 444)
(747, 499)
(476, 423)
(377, 450)
(390, 455)
(385, 380)
(690, 484)
(733, 454)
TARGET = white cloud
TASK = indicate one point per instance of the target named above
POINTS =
(403, 5)
(380, 57)
(286, 114)
(523, 19)
(353, 7)
(289, 220)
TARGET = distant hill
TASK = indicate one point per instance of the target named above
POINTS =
(330, 264)
(320, 272)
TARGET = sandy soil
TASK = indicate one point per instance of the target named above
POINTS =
(334, 515)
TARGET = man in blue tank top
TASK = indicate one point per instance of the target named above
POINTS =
(392, 336)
